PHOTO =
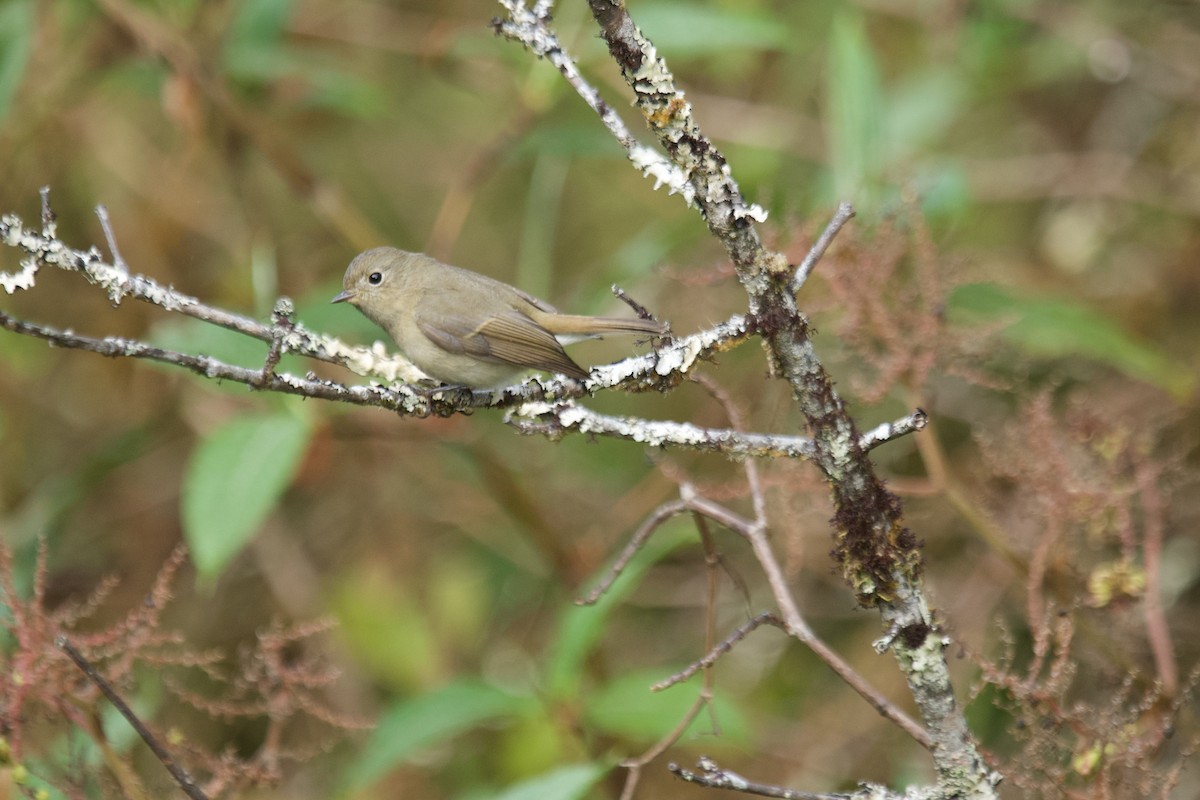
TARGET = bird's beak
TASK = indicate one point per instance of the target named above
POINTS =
(344, 296)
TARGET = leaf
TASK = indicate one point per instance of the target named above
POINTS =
(566, 139)
(581, 627)
(855, 97)
(921, 109)
(259, 23)
(683, 28)
(570, 782)
(626, 707)
(1054, 328)
(418, 723)
(388, 627)
(194, 336)
(16, 35)
(233, 480)
(256, 53)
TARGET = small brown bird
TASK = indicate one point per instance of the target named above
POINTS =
(467, 329)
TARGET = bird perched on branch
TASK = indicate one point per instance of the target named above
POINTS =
(467, 329)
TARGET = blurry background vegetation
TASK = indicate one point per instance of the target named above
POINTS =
(249, 149)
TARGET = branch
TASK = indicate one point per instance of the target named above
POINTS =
(186, 782)
(722, 647)
(401, 399)
(844, 214)
(888, 431)
(45, 248)
(555, 419)
(879, 558)
(712, 776)
(541, 405)
(530, 28)
(755, 531)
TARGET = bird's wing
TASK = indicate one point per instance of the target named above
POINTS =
(509, 339)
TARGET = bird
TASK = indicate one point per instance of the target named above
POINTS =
(466, 329)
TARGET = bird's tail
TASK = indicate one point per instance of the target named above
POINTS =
(578, 325)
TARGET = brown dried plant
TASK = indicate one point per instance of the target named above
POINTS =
(46, 699)
(1093, 691)
(1093, 702)
(889, 290)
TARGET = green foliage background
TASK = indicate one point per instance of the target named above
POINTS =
(1053, 151)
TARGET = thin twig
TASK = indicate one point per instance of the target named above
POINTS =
(644, 531)
(401, 399)
(281, 324)
(688, 502)
(553, 420)
(638, 308)
(634, 765)
(703, 699)
(712, 776)
(795, 624)
(111, 237)
(726, 644)
(186, 782)
(888, 431)
(49, 218)
(845, 212)
(1157, 630)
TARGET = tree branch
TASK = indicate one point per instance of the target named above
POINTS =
(181, 776)
(879, 558)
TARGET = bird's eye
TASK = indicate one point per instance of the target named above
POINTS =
(375, 278)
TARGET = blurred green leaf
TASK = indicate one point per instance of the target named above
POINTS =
(233, 480)
(943, 189)
(335, 90)
(687, 28)
(920, 110)
(566, 139)
(543, 204)
(855, 96)
(256, 53)
(48, 509)
(196, 337)
(390, 630)
(581, 627)
(565, 783)
(259, 23)
(16, 35)
(626, 707)
(1053, 328)
(532, 745)
(415, 724)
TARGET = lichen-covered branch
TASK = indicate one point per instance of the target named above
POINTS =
(710, 774)
(544, 405)
(556, 418)
(44, 248)
(878, 556)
